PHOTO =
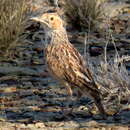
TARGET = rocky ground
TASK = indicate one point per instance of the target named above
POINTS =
(30, 99)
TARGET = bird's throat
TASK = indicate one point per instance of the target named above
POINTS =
(59, 36)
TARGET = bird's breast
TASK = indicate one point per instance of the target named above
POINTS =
(54, 61)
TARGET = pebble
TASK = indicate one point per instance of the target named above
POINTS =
(40, 125)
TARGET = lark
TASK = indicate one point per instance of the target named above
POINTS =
(65, 62)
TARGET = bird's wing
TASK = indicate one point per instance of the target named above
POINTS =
(74, 69)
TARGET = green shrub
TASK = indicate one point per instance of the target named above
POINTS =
(12, 18)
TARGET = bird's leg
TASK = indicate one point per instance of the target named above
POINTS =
(69, 95)
(68, 99)
(79, 94)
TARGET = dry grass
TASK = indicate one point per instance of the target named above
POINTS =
(116, 84)
(84, 13)
(12, 18)
(113, 79)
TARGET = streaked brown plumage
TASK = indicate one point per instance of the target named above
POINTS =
(65, 62)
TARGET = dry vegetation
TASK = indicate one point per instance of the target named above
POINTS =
(113, 79)
(12, 18)
(115, 84)
(111, 75)
(84, 13)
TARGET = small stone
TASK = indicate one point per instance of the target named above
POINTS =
(92, 123)
(40, 125)
(30, 125)
(23, 126)
(9, 89)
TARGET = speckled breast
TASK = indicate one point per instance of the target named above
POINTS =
(53, 60)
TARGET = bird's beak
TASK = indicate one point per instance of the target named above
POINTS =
(41, 20)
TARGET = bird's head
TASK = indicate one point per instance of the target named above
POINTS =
(50, 20)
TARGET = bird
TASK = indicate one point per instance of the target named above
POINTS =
(64, 61)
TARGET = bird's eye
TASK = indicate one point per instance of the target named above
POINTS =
(51, 18)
